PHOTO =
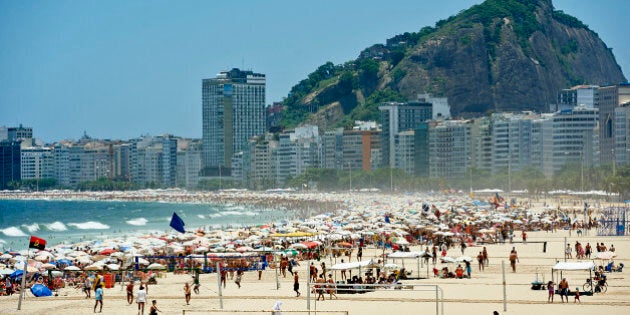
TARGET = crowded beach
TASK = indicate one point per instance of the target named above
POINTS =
(361, 248)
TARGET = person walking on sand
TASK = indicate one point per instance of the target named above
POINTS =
(141, 299)
(98, 296)
(239, 277)
(296, 284)
(187, 293)
(87, 287)
(332, 291)
(550, 289)
(319, 288)
(513, 259)
(130, 292)
(153, 310)
(480, 261)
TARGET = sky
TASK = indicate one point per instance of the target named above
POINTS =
(124, 68)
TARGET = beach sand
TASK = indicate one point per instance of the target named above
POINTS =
(482, 294)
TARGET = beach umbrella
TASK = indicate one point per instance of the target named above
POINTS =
(607, 255)
(72, 268)
(6, 271)
(113, 267)
(49, 266)
(16, 273)
(463, 258)
(344, 244)
(298, 246)
(156, 266)
(107, 251)
(243, 249)
(40, 290)
(391, 266)
(117, 254)
(94, 267)
(29, 268)
(143, 261)
(449, 260)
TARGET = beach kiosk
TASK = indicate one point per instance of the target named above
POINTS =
(573, 266)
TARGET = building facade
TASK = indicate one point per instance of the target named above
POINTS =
(233, 110)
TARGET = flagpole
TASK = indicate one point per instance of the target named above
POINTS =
(28, 253)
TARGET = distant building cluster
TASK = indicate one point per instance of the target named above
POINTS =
(589, 125)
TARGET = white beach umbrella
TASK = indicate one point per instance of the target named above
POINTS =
(72, 268)
(112, 267)
(49, 266)
(94, 267)
(156, 266)
(143, 261)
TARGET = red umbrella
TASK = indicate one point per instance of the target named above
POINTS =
(107, 251)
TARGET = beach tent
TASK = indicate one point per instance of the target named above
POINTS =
(573, 266)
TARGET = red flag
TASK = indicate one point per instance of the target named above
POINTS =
(37, 242)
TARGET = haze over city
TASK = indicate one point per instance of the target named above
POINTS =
(119, 70)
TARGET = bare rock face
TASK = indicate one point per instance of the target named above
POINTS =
(483, 68)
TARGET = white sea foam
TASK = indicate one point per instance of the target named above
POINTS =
(56, 226)
(215, 215)
(32, 228)
(200, 216)
(250, 213)
(231, 213)
(90, 225)
(138, 222)
(13, 231)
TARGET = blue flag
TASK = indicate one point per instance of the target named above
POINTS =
(177, 223)
(387, 218)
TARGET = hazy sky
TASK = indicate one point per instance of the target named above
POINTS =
(119, 69)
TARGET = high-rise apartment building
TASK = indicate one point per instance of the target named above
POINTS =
(37, 163)
(233, 110)
(610, 97)
(398, 117)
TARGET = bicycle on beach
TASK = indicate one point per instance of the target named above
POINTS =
(601, 286)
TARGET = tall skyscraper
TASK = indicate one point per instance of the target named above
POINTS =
(233, 107)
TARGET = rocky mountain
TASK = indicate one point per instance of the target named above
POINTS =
(501, 55)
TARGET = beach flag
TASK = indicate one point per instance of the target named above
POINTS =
(37, 242)
(177, 223)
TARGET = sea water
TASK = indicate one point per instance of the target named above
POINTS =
(75, 221)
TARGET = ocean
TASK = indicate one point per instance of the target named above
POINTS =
(74, 221)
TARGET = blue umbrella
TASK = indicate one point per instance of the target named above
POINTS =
(16, 274)
(40, 290)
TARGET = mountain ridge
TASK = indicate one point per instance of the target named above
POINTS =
(500, 55)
